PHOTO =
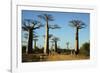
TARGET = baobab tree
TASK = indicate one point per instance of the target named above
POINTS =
(35, 41)
(55, 40)
(50, 36)
(30, 26)
(47, 18)
(25, 38)
(77, 24)
(67, 45)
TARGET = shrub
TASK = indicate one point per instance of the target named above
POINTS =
(85, 49)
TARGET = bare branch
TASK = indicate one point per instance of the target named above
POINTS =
(54, 26)
(55, 39)
(46, 17)
(49, 17)
(38, 26)
(42, 17)
(50, 35)
(35, 36)
(24, 28)
(77, 23)
(35, 39)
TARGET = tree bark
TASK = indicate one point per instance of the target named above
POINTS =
(46, 46)
(77, 42)
(30, 41)
(55, 46)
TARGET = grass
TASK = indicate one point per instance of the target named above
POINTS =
(54, 57)
(60, 57)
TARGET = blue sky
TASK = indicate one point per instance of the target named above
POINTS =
(65, 33)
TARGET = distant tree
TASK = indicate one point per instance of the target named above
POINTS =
(67, 45)
(35, 39)
(30, 26)
(25, 37)
(78, 25)
(55, 40)
(47, 18)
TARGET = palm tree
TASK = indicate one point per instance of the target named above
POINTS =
(47, 18)
(30, 26)
(78, 24)
(55, 40)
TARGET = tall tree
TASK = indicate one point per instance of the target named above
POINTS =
(47, 18)
(55, 40)
(77, 24)
(30, 26)
(35, 41)
(24, 41)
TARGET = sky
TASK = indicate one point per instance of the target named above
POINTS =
(66, 33)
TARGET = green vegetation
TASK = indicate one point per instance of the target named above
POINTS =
(85, 49)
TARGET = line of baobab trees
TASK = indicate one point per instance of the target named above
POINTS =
(31, 25)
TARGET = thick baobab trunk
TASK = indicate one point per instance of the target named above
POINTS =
(55, 46)
(77, 42)
(30, 41)
(46, 46)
